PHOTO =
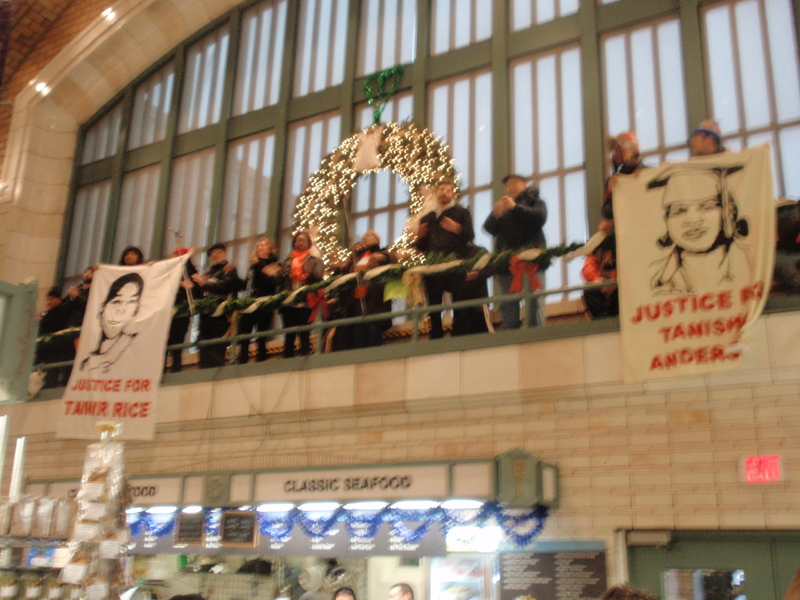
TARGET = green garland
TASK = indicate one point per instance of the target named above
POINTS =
(499, 261)
(378, 99)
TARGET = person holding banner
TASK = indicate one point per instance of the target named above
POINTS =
(301, 268)
(179, 325)
(131, 256)
(219, 281)
(706, 139)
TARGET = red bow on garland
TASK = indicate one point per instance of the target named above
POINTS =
(519, 268)
(315, 300)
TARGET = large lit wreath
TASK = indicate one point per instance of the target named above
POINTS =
(418, 157)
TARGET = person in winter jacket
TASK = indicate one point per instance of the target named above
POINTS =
(260, 284)
(516, 222)
(301, 268)
(220, 280)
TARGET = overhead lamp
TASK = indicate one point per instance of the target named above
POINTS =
(366, 505)
(319, 506)
(276, 507)
(415, 504)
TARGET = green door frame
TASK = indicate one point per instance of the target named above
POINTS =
(769, 559)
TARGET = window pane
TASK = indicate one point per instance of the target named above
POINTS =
(753, 64)
(151, 108)
(246, 201)
(101, 140)
(525, 13)
(783, 51)
(642, 69)
(88, 227)
(260, 56)
(548, 109)
(309, 141)
(720, 68)
(321, 44)
(380, 200)
(673, 105)
(388, 34)
(753, 80)
(203, 81)
(136, 213)
(790, 150)
(461, 113)
(459, 23)
(190, 197)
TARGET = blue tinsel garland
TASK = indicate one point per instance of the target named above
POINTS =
(520, 526)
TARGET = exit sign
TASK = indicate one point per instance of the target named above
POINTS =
(763, 469)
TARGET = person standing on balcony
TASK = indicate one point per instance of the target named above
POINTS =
(219, 281)
(516, 222)
(706, 139)
(259, 284)
(446, 230)
(300, 269)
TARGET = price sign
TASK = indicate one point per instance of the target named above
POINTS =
(239, 529)
(190, 529)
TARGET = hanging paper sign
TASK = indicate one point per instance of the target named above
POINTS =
(120, 357)
(695, 246)
(239, 529)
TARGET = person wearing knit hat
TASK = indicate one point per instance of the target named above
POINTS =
(706, 139)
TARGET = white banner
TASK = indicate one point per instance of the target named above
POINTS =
(120, 357)
(695, 247)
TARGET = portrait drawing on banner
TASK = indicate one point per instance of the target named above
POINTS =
(705, 237)
(120, 306)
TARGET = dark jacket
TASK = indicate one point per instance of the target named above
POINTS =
(221, 284)
(182, 296)
(259, 284)
(55, 319)
(75, 309)
(347, 304)
(438, 239)
(521, 226)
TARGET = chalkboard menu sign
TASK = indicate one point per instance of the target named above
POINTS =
(239, 529)
(190, 529)
(575, 575)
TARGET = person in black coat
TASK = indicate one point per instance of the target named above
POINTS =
(260, 284)
(517, 222)
(364, 299)
(179, 326)
(219, 281)
(58, 348)
(300, 269)
(448, 230)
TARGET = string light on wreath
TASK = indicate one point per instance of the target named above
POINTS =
(417, 156)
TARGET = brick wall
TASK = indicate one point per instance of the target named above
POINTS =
(660, 454)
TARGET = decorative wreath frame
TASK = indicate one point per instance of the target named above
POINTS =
(418, 157)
